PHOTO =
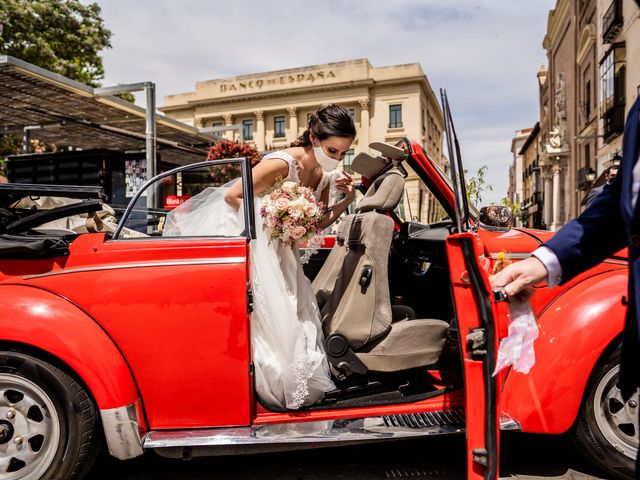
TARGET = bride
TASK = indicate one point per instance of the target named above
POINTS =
(287, 340)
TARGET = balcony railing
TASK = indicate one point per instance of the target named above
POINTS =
(612, 21)
(613, 122)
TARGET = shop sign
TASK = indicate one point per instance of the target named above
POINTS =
(172, 201)
(258, 84)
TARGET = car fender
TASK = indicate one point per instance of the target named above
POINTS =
(39, 318)
(575, 329)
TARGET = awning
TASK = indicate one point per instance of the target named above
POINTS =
(61, 111)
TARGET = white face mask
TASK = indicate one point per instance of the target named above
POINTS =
(326, 162)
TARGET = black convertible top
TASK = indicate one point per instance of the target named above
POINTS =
(17, 237)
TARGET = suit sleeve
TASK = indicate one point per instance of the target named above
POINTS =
(593, 236)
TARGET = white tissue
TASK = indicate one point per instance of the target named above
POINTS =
(517, 347)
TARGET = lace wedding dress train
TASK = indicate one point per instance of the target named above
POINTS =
(287, 340)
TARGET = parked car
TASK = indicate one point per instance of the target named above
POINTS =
(142, 341)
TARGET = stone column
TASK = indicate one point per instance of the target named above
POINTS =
(363, 134)
(228, 120)
(557, 222)
(259, 139)
(548, 199)
(293, 123)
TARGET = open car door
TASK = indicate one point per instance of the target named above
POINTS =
(477, 313)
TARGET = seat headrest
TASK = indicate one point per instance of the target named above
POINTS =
(384, 194)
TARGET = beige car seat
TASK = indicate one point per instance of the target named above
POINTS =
(357, 317)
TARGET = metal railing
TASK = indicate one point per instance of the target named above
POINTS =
(612, 21)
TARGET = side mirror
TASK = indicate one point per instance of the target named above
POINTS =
(496, 218)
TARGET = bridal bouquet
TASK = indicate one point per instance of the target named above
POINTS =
(291, 214)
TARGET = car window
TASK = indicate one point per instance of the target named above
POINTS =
(187, 203)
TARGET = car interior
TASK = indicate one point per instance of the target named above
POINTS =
(385, 298)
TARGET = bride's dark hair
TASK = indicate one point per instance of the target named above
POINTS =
(327, 121)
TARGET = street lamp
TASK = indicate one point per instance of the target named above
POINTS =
(591, 175)
(616, 160)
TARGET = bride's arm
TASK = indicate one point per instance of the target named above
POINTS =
(264, 175)
(345, 185)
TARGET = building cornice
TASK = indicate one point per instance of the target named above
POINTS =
(556, 21)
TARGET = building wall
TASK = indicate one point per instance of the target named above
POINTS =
(295, 93)
(574, 136)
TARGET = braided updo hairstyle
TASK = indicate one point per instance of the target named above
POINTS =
(327, 121)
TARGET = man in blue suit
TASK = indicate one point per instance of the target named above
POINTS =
(610, 222)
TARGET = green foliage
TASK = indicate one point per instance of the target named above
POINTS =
(477, 185)
(63, 36)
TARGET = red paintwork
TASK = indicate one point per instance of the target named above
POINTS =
(446, 401)
(182, 329)
(475, 403)
(574, 331)
(54, 325)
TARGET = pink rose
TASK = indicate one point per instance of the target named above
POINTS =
(271, 221)
(311, 210)
(298, 232)
(282, 203)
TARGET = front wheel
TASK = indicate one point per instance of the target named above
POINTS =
(47, 421)
(607, 428)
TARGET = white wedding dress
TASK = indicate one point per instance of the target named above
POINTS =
(287, 340)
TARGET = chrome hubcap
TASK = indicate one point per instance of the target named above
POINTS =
(617, 419)
(29, 429)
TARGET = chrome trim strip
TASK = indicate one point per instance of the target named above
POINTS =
(347, 430)
(328, 431)
(513, 255)
(122, 431)
(173, 263)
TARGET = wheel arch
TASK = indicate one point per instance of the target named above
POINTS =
(576, 330)
(53, 327)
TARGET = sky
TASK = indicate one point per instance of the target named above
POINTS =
(486, 53)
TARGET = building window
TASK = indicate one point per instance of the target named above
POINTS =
(247, 129)
(217, 124)
(612, 98)
(352, 112)
(395, 116)
(587, 100)
(278, 126)
(348, 160)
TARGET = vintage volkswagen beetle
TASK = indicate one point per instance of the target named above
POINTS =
(103, 334)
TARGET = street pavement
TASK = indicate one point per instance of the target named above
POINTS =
(524, 457)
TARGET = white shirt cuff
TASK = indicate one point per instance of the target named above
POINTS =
(550, 261)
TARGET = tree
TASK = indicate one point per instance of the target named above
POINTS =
(477, 185)
(63, 36)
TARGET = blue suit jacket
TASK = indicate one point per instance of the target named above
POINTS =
(607, 225)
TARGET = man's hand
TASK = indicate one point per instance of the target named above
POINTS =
(517, 277)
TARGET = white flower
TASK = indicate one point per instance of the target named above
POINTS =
(288, 186)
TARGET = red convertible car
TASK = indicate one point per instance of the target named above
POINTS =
(124, 337)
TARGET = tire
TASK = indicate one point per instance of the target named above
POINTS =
(48, 422)
(606, 430)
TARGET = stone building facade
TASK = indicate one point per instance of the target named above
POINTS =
(269, 110)
(585, 91)
(515, 193)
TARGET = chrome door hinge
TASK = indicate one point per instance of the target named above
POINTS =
(249, 300)
(477, 343)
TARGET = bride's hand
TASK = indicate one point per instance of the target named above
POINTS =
(344, 184)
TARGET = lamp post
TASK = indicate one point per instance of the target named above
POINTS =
(591, 175)
(616, 160)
